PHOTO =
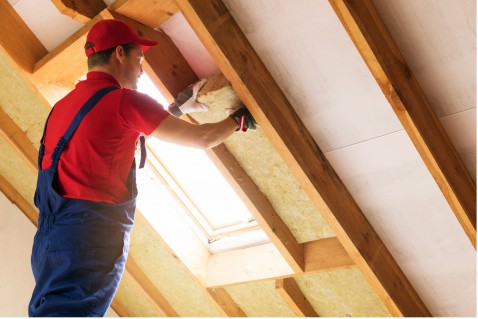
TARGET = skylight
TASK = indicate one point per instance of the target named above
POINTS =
(191, 185)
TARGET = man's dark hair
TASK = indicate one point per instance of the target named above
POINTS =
(102, 57)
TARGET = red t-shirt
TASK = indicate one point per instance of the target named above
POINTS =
(96, 161)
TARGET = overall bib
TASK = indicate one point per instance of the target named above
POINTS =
(80, 247)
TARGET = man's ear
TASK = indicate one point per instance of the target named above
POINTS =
(119, 53)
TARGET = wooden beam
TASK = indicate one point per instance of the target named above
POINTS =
(259, 206)
(293, 296)
(18, 40)
(265, 262)
(80, 10)
(57, 72)
(326, 254)
(402, 90)
(150, 13)
(149, 288)
(246, 265)
(226, 302)
(17, 199)
(55, 75)
(255, 86)
(17, 137)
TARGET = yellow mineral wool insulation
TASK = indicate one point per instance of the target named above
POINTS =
(17, 172)
(263, 164)
(20, 100)
(171, 278)
(341, 293)
(128, 295)
(260, 299)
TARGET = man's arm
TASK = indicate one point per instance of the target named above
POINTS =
(202, 136)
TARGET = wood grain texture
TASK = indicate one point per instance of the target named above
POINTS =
(293, 296)
(326, 254)
(226, 302)
(18, 40)
(18, 138)
(239, 62)
(154, 294)
(80, 10)
(150, 13)
(402, 90)
(259, 206)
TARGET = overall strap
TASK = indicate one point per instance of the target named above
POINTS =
(76, 121)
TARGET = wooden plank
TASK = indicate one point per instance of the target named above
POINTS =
(226, 302)
(80, 10)
(402, 90)
(326, 254)
(165, 59)
(255, 86)
(265, 262)
(149, 288)
(17, 199)
(259, 206)
(150, 13)
(293, 296)
(55, 74)
(246, 265)
(18, 40)
(17, 137)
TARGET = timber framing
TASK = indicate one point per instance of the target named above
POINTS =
(226, 43)
(357, 244)
(24, 48)
(402, 90)
(80, 10)
(291, 293)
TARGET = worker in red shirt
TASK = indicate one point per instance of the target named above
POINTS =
(86, 189)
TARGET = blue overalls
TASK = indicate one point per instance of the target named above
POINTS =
(80, 247)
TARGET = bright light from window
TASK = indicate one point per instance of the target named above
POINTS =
(199, 190)
(145, 85)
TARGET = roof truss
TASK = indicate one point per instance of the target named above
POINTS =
(402, 90)
(219, 33)
(226, 43)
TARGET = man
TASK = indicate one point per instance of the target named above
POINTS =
(86, 189)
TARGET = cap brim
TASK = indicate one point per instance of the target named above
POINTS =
(146, 44)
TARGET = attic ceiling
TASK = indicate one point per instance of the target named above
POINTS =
(362, 172)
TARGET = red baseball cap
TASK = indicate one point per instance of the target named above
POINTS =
(110, 33)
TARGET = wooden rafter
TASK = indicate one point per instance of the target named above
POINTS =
(264, 262)
(80, 10)
(259, 206)
(150, 13)
(17, 199)
(16, 136)
(153, 293)
(18, 40)
(326, 254)
(293, 296)
(238, 61)
(402, 90)
(57, 72)
(226, 302)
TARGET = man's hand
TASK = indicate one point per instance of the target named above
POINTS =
(186, 101)
(243, 118)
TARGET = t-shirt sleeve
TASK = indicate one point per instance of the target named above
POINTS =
(140, 112)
